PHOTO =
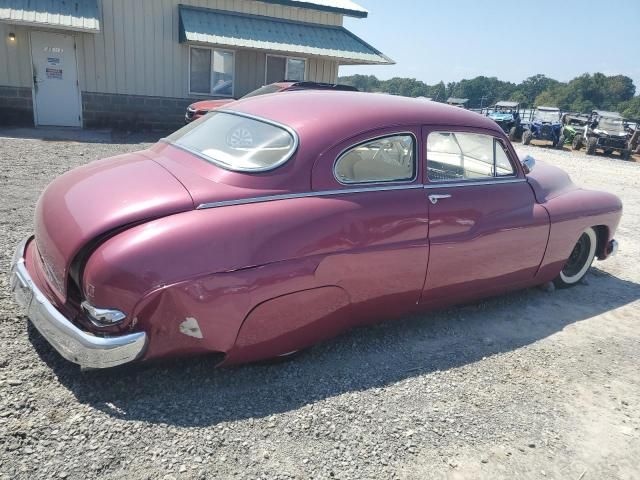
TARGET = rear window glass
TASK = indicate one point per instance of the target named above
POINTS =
(385, 159)
(237, 142)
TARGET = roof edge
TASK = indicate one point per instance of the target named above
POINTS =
(323, 8)
(54, 26)
(182, 37)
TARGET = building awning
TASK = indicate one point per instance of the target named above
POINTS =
(236, 30)
(67, 15)
(345, 7)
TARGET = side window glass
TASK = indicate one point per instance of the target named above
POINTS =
(385, 159)
(503, 165)
(465, 156)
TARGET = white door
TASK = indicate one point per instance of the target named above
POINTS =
(55, 79)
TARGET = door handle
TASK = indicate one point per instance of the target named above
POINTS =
(435, 197)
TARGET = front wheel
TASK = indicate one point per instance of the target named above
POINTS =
(513, 134)
(592, 142)
(526, 137)
(560, 143)
(579, 261)
(577, 142)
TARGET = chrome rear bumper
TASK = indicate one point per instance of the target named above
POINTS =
(72, 343)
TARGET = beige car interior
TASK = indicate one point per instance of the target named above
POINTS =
(381, 160)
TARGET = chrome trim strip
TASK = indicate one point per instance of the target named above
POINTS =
(472, 183)
(372, 139)
(287, 196)
(285, 159)
(328, 193)
(72, 343)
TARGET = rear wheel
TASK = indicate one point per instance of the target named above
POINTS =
(625, 154)
(577, 142)
(526, 137)
(579, 261)
(591, 145)
(560, 143)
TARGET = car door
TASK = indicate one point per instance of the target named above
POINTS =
(486, 231)
(375, 222)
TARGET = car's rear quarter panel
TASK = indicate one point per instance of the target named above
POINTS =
(217, 265)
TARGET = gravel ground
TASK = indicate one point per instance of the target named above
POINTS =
(535, 384)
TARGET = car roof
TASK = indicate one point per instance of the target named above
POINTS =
(322, 115)
(320, 86)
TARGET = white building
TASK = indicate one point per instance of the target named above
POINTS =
(138, 64)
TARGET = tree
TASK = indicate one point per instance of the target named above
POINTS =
(630, 109)
(527, 91)
(582, 94)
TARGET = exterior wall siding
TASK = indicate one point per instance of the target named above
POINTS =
(137, 54)
(15, 57)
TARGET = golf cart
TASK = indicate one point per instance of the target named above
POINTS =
(507, 116)
(605, 131)
(545, 125)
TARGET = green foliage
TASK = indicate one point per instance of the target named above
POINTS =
(631, 108)
(582, 94)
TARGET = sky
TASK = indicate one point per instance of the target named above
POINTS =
(454, 39)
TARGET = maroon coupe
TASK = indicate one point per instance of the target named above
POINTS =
(282, 220)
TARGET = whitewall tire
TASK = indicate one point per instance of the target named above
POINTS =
(579, 260)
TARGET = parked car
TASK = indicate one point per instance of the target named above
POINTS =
(605, 131)
(198, 109)
(508, 116)
(287, 219)
(546, 125)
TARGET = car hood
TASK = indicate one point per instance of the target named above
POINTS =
(208, 105)
(87, 202)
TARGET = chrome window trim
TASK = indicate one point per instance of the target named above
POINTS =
(473, 183)
(322, 193)
(507, 178)
(346, 191)
(371, 139)
(285, 159)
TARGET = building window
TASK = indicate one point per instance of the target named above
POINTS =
(285, 68)
(211, 71)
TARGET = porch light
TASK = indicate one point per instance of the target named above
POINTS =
(12, 37)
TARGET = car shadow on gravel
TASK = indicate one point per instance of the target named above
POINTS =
(190, 392)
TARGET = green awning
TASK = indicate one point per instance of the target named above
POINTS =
(67, 15)
(236, 30)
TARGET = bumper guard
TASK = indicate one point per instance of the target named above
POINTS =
(77, 346)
